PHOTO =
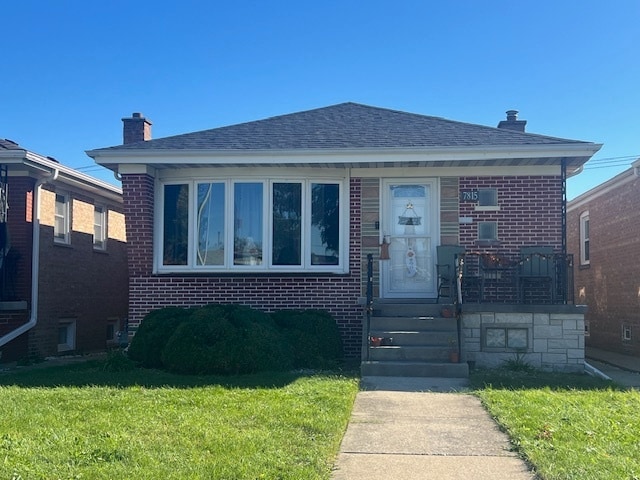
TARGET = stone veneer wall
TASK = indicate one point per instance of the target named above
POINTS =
(555, 336)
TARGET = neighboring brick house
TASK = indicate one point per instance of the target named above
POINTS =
(604, 233)
(63, 267)
(283, 212)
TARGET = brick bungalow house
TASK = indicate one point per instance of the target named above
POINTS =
(284, 213)
(604, 231)
(63, 267)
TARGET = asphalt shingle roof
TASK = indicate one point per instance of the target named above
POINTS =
(345, 126)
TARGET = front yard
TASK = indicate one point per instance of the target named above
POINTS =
(568, 426)
(82, 422)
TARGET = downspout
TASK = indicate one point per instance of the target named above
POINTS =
(35, 262)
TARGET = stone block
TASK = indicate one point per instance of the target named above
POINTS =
(575, 353)
(541, 319)
(540, 345)
(554, 359)
(521, 318)
(547, 332)
(562, 343)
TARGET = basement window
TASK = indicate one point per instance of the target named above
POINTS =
(505, 338)
(66, 335)
(626, 333)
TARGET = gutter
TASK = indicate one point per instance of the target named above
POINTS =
(35, 262)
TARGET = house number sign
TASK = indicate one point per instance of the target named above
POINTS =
(468, 195)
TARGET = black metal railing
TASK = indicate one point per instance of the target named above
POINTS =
(528, 278)
(368, 307)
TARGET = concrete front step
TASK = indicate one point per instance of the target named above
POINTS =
(390, 323)
(413, 338)
(402, 309)
(421, 353)
(414, 369)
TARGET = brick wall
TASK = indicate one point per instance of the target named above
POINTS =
(76, 282)
(610, 284)
(530, 211)
(338, 294)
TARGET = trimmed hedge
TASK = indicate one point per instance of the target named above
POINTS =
(154, 333)
(313, 336)
(234, 339)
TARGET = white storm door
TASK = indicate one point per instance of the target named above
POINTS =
(410, 226)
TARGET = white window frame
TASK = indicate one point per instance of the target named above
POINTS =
(100, 242)
(65, 238)
(585, 242)
(267, 225)
(70, 344)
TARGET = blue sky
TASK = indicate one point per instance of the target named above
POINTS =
(70, 70)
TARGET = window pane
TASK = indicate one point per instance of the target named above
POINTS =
(98, 227)
(325, 224)
(176, 220)
(488, 197)
(210, 224)
(247, 224)
(287, 228)
(487, 231)
(60, 220)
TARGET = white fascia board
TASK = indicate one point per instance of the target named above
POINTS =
(37, 166)
(353, 156)
(484, 171)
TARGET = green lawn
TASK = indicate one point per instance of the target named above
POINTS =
(83, 422)
(567, 426)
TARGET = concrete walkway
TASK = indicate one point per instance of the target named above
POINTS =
(408, 429)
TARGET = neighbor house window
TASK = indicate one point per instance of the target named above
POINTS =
(292, 224)
(99, 228)
(61, 219)
(66, 335)
(584, 239)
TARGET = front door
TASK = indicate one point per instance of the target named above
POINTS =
(410, 226)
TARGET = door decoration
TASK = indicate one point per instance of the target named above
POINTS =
(410, 260)
(384, 249)
(409, 217)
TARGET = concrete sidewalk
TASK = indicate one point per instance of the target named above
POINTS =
(622, 369)
(400, 431)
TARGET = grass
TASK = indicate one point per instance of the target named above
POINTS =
(80, 421)
(566, 426)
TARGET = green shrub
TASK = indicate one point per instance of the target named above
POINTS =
(154, 333)
(313, 336)
(235, 339)
(117, 361)
(226, 339)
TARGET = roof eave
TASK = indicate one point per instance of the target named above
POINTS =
(442, 154)
(42, 167)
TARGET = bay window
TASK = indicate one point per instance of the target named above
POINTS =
(252, 225)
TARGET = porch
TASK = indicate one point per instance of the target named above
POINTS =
(493, 310)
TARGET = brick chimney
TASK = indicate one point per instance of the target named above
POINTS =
(512, 122)
(136, 129)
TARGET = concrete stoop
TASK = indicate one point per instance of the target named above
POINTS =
(416, 341)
